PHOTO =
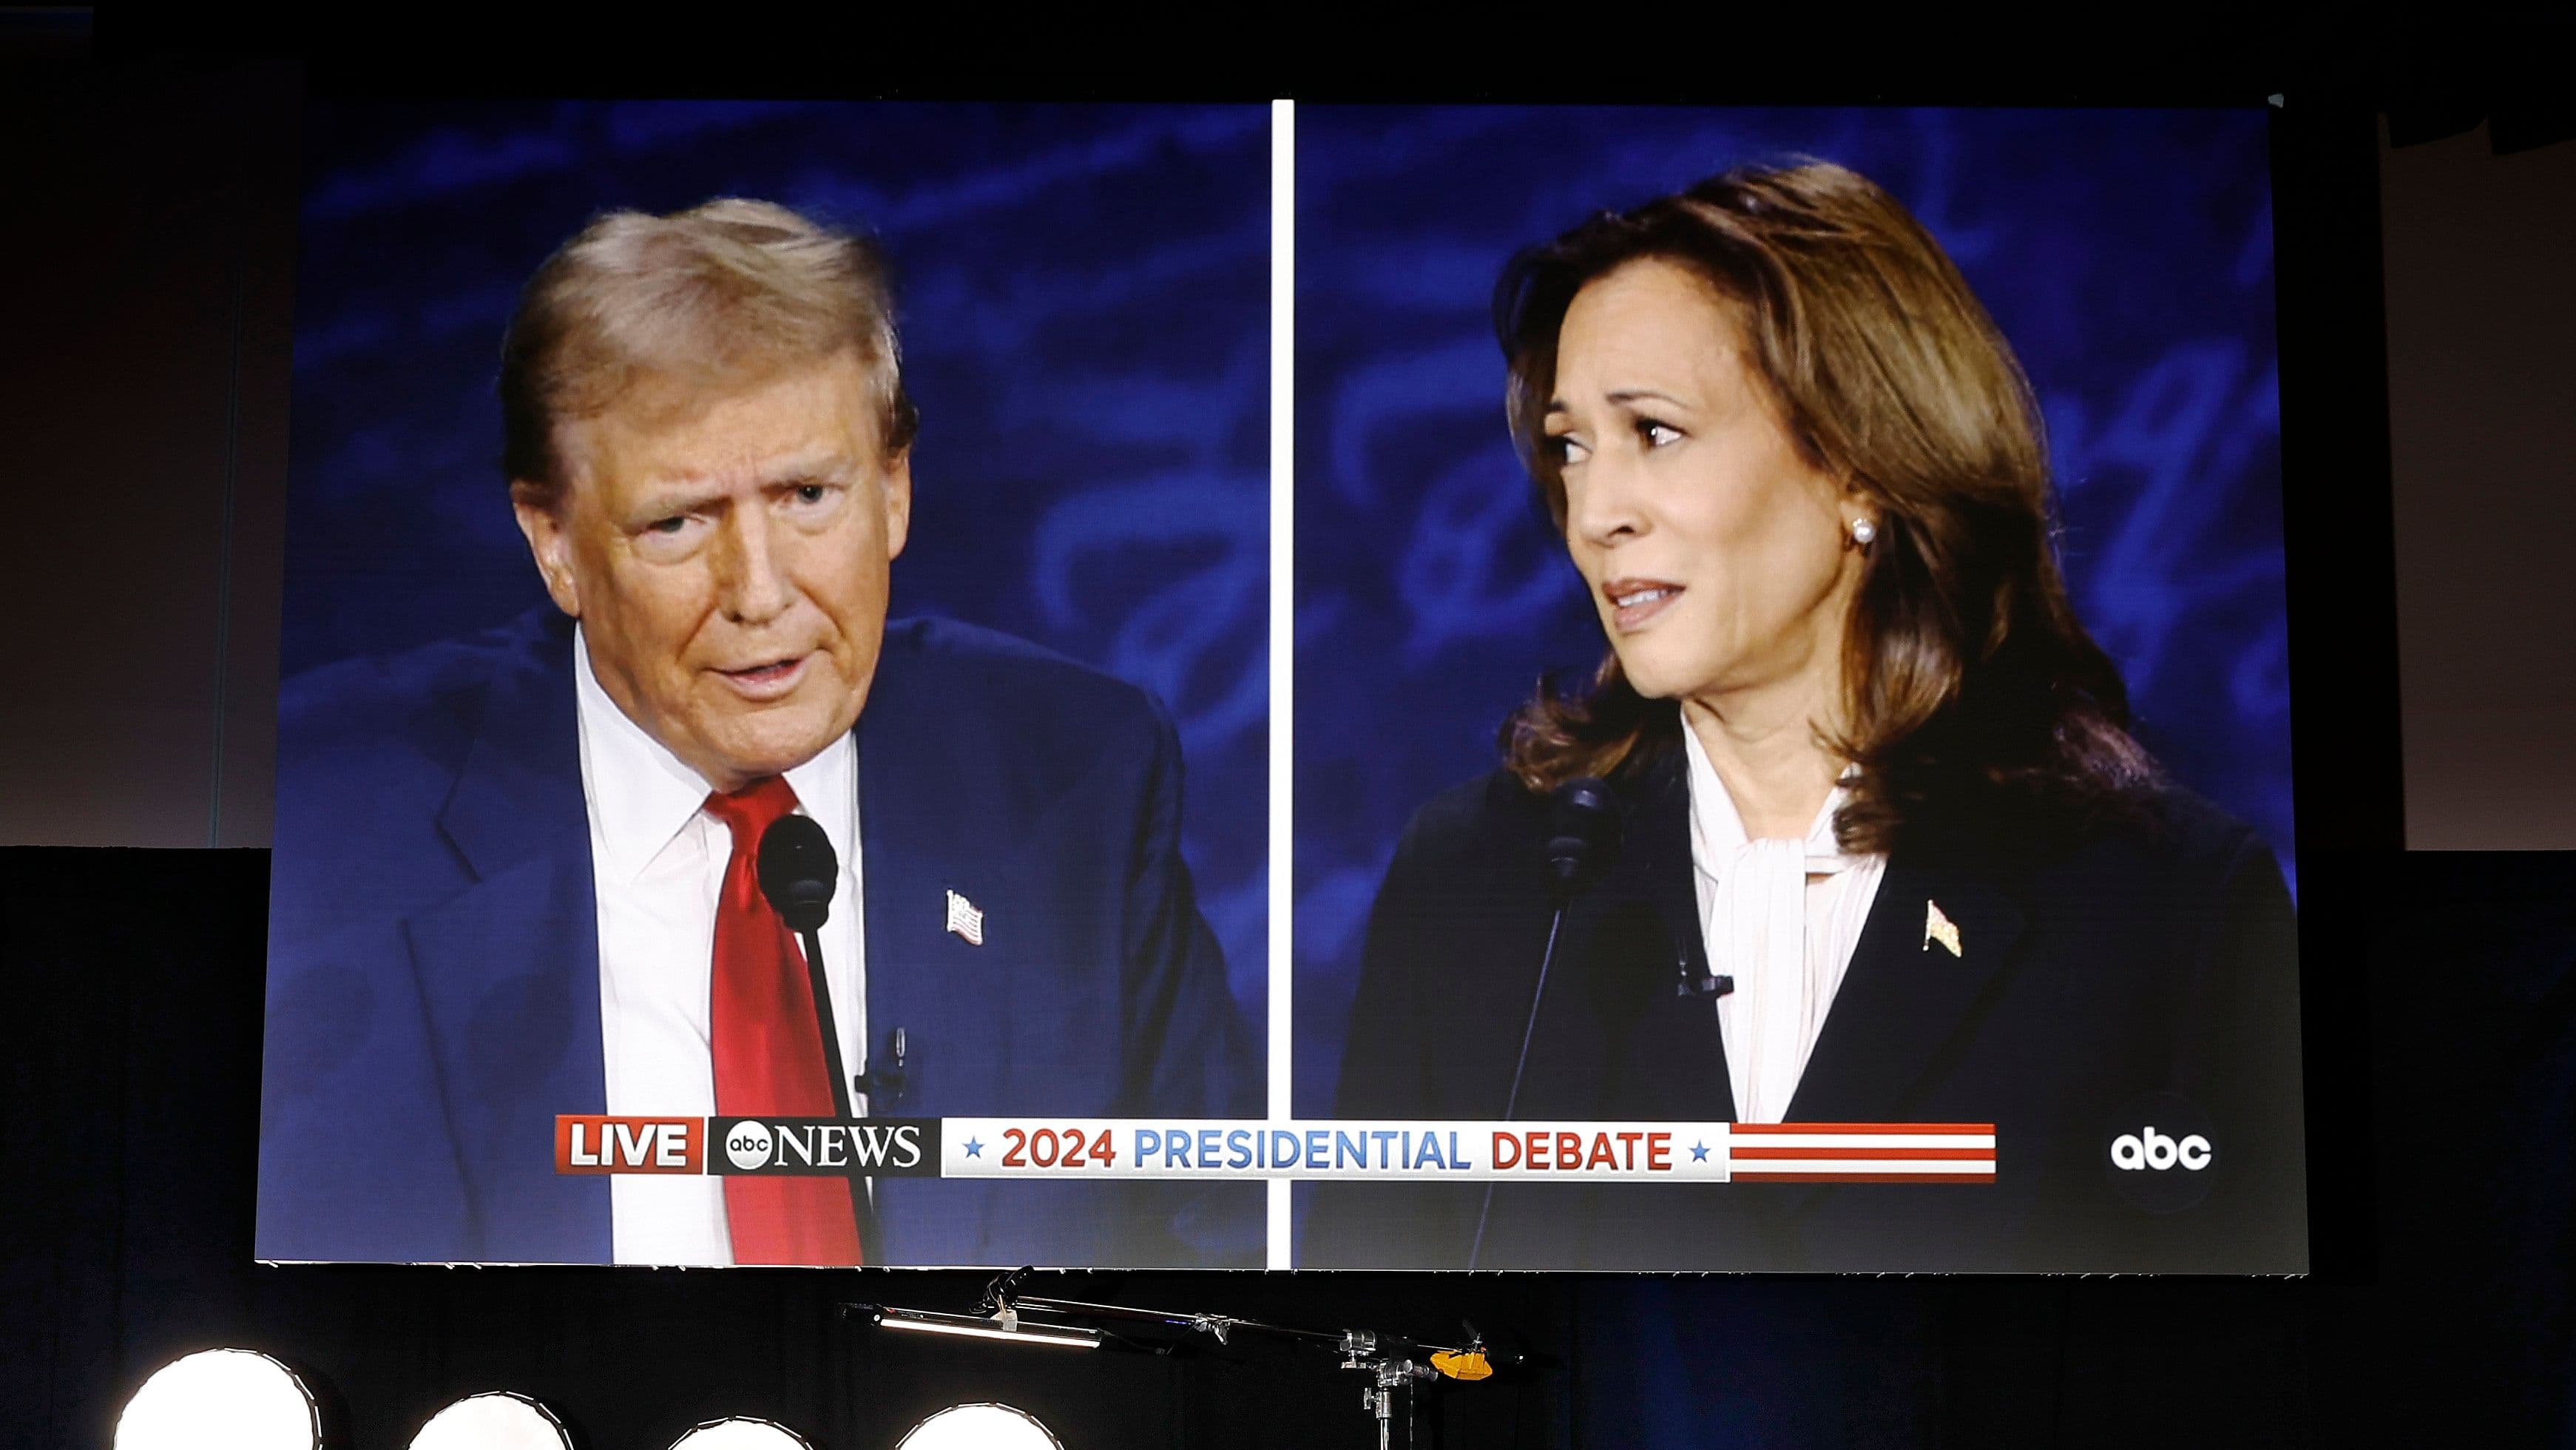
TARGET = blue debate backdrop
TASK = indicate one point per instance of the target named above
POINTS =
(2127, 256)
(1084, 296)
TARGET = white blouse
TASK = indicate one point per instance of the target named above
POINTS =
(1781, 917)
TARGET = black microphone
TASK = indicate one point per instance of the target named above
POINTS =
(798, 873)
(1583, 831)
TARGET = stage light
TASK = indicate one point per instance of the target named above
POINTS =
(221, 1399)
(739, 1432)
(500, 1420)
(1008, 1327)
(979, 1427)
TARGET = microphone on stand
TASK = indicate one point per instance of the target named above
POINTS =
(799, 871)
(1583, 831)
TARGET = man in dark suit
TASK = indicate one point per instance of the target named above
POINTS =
(515, 873)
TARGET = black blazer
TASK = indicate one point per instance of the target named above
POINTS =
(2155, 959)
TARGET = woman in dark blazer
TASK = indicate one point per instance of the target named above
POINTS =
(1871, 840)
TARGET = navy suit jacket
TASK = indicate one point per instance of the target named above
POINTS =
(434, 995)
(2100, 980)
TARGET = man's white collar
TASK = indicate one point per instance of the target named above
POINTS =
(642, 795)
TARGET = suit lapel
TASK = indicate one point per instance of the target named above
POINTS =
(1659, 854)
(1614, 1038)
(1904, 999)
(917, 837)
(509, 969)
(927, 826)
(1659, 838)
(899, 814)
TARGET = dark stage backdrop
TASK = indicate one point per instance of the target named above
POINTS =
(2126, 255)
(1085, 317)
(129, 1114)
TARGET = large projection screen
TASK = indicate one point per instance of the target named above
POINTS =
(1781, 698)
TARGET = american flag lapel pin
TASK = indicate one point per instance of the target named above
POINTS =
(965, 920)
(1939, 928)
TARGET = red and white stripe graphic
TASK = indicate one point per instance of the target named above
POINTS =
(1862, 1152)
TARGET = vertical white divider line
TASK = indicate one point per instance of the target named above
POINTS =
(1278, 1216)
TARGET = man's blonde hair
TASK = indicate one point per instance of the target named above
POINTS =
(721, 295)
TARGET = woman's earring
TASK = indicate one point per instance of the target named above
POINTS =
(1863, 533)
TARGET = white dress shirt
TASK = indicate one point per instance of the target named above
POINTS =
(1781, 917)
(658, 861)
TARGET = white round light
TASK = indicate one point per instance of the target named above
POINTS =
(221, 1399)
(501, 1420)
(739, 1433)
(980, 1427)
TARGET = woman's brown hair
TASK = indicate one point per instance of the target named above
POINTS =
(1970, 689)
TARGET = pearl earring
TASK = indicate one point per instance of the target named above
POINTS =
(1863, 532)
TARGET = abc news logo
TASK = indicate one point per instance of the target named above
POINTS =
(802, 1147)
(2160, 1153)
(2153, 1152)
(825, 1147)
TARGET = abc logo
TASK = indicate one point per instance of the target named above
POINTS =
(749, 1146)
(2160, 1153)
(2153, 1152)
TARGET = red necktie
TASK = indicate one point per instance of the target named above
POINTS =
(769, 1050)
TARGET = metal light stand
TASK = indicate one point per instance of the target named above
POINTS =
(1390, 1362)
(1387, 1373)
